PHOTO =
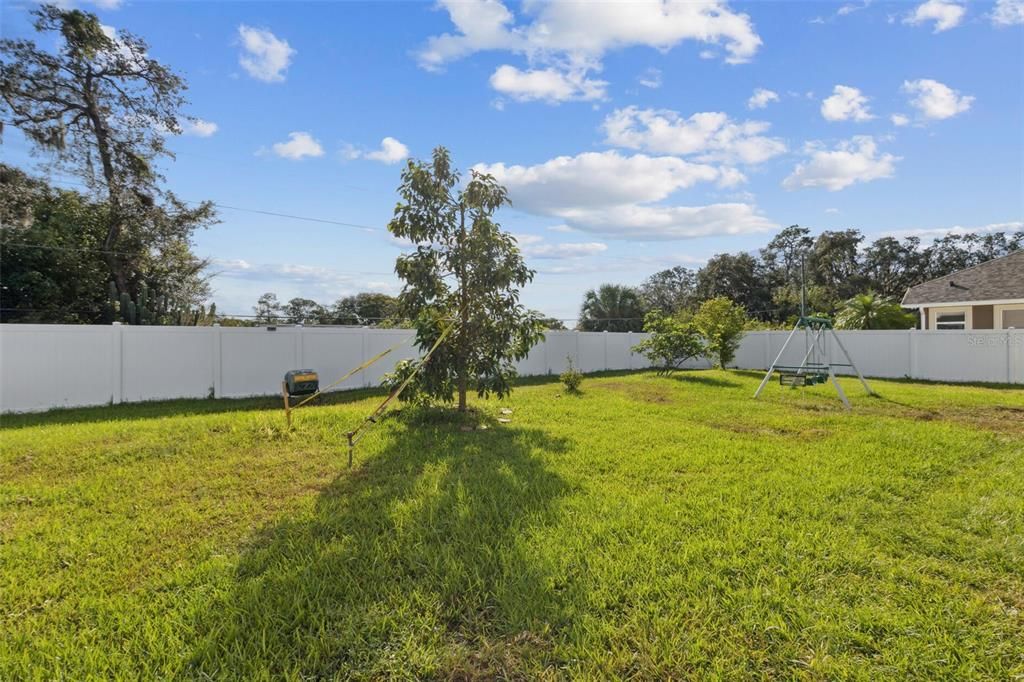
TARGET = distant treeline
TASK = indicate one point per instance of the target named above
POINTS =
(835, 265)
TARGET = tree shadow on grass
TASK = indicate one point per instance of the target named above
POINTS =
(688, 377)
(415, 564)
(181, 407)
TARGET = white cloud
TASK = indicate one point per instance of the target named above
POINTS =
(713, 135)
(935, 100)
(597, 179)
(944, 13)
(199, 128)
(899, 120)
(761, 98)
(845, 104)
(852, 161)
(264, 56)
(1008, 13)
(561, 228)
(831, 210)
(535, 246)
(299, 146)
(614, 194)
(632, 221)
(549, 85)
(588, 30)
(651, 78)
(938, 232)
(850, 9)
(573, 37)
(242, 281)
(391, 151)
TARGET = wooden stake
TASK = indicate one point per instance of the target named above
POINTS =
(351, 446)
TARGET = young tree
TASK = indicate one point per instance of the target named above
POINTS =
(721, 322)
(673, 340)
(612, 308)
(465, 271)
(871, 311)
(102, 101)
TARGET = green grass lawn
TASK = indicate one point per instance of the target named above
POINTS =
(653, 527)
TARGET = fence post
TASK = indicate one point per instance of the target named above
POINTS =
(218, 389)
(362, 355)
(912, 352)
(577, 349)
(1010, 373)
(117, 363)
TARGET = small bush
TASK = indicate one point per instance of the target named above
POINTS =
(721, 323)
(673, 340)
(571, 378)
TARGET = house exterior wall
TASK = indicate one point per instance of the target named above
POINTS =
(982, 315)
(977, 316)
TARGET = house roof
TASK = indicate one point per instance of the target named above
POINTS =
(995, 280)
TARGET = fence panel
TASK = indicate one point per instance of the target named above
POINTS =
(167, 362)
(253, 361)
(46, 366)
(964, 356)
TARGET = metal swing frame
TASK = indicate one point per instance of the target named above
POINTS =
(813, 369)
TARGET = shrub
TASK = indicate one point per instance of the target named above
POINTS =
(571, 378)
(721, 323)
(673, 340)
(871, 311)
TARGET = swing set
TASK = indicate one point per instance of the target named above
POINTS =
(817, 366)
(304, 384)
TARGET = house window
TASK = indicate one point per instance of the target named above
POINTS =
(1013, 318)
(951, 320)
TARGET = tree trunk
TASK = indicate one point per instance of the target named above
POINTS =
(114, 219)
(463, 379)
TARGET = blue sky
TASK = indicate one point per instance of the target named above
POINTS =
(629, 135)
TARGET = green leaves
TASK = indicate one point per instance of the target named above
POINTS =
(721, 322)
(467, 271)
(612, 308)
(673, 340)
(871, 311)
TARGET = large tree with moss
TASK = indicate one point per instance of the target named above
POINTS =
(103, 108)
(464, 271)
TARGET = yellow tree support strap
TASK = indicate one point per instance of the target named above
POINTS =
(360, 368)
(372, 419)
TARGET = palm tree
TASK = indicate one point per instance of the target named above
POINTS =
(871, 311)
(612, 308)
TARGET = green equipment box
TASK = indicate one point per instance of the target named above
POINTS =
(301, 382)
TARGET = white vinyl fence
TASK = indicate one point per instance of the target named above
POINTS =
(46, 366)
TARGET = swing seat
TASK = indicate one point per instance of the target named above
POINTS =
(808, 375)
